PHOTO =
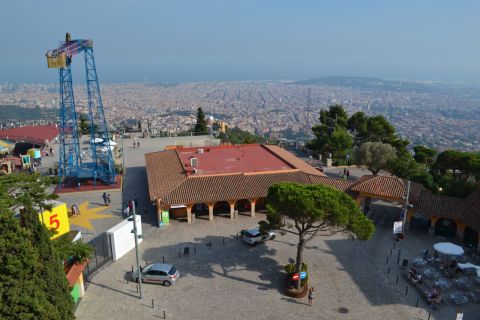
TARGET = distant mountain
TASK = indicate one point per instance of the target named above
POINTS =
(370, 83)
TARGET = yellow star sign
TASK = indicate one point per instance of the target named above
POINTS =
(87, 214)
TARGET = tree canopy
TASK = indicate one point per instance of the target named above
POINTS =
(315, 210)
(32, 280)
(375, 155)
(201, 125)
(238, 136)
(424, 155)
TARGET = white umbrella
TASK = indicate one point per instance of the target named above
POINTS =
(111, 143)
(98, 140)
(105, 148)
(448, 248)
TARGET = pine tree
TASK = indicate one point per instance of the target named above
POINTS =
(33, 283)
(201, 126)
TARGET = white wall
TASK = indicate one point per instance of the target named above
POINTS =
(122, 238)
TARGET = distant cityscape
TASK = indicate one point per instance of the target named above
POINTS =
(437, 115)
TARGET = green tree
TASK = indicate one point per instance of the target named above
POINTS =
(201, 125)
(375, 155)
(424, 155)
(331, 135)
(236, 135)
(49, 297)
(357, 125)
(407, 168)
(84, 126)
(313, 210)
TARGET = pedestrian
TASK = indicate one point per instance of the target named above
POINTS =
(126, 211)
(130, 206)
(310, 296)
(51, 151)
(109, 199)
(138, 144)
(348, 174)
(345, 171)
(104, 196)
(134, 143)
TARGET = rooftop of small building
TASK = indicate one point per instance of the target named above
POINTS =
(247, 158)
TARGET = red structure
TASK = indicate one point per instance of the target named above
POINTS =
(39, 135)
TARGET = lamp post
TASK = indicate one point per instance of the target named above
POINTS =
(405, 209)
(123, 156)
(137, 253)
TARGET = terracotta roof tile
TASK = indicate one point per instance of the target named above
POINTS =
(390, 187)
(164, 172)
(293, 160)
(430, 204)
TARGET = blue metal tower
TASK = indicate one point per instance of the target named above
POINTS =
(71, 165)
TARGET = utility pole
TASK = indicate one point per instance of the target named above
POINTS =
(123, 155)
(137, 253)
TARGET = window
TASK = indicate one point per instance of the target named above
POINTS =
(173, 270)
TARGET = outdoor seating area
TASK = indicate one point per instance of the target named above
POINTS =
(447, 276)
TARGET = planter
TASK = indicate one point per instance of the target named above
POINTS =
(295, 293)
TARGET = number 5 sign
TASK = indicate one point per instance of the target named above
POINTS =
(57, 219)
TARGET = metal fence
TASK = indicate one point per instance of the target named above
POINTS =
(102, 254)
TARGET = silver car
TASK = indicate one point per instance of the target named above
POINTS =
(165, 274)
(254, 237)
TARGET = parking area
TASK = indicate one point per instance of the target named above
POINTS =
(223, 278)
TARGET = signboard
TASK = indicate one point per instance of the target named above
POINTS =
(57, 219)
(295, 276)
(459, 316)
(122, 237)
(303, 275)
(397, 227)
(165, 217)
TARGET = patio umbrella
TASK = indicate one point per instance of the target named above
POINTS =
(98, 140)
(448, 248)
(111, 143)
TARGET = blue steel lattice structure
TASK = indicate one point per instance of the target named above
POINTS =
(71, 164)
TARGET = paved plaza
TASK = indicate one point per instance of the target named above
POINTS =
(230, 280)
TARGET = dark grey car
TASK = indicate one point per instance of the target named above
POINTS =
(165, 274)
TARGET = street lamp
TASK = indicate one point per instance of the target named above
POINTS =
(123, 155)
(137, 253)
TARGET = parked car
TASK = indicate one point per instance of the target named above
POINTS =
(165, 274)
(254, 237)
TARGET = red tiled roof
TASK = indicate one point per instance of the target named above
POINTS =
(430, 204)
(383, 186)
(293, 160)
(164, 172)
(32, 134)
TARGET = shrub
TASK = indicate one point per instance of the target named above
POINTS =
(290, 269)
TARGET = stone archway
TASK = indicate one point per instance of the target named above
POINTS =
(470, 237)
(222, 209)
(243, 206)
(200, 210)
(446, 228)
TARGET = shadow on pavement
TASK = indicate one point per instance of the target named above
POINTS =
(214, 256)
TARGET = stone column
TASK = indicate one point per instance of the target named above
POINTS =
(460, 230)
(189, 213)
(433, 221)
(232, 209)
(252, 207)
(210, 211)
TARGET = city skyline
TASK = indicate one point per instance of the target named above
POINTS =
(267, 40)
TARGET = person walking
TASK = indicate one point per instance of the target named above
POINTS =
(348, 174)
(310, 296)
(138, 144)
(104, 196)
(109, 199)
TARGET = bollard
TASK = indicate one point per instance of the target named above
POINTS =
(406, 291)
(386, 262)
(396, 281)
(164, 317)
(153, 305)
(388, 271)
(416, 305)
(398, 256)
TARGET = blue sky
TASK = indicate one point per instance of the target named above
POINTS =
(170, 41)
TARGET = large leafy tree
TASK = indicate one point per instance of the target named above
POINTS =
(84, 125)
(201, 125)
(424, 155)
(407, 168)
(28, 260)
(375, 155)
(331, 135)
(238, 136)
(311, 211)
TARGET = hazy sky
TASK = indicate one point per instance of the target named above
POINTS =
(177, 40)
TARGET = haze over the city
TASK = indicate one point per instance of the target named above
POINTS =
(179, 41)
